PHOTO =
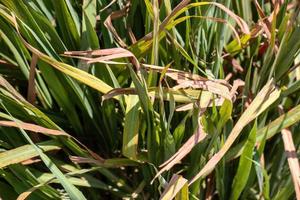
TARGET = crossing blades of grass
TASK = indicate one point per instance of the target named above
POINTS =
(26, 152)
(177, 184)
(197, 137)
(264, 99)
(70, 188)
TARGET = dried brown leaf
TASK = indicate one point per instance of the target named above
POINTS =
(33, 128)
(291, 154)
(263, 100)
(109, 25)
(197, 137)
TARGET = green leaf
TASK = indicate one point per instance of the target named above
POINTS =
(25, 152)
(225, 114)
(234, 46)
(66, 17)
(244, 168)
(71, 189)
(131, 128)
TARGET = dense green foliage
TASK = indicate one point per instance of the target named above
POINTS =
(186, 99)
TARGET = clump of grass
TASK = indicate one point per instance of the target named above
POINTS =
(149, 99)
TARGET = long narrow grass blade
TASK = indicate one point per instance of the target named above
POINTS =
(33, 127)
(245, 163)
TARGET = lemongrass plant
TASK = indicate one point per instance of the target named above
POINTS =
(149, 99)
